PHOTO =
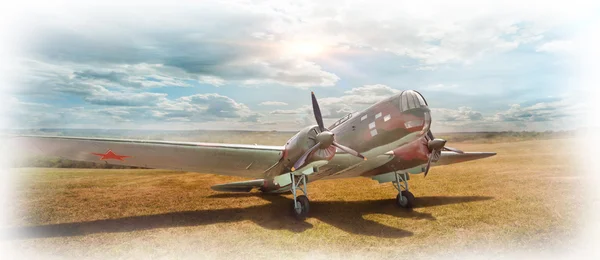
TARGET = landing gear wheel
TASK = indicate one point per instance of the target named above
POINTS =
(405, 199)
(301, 207)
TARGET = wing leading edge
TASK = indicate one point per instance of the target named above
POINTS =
(453, 157)
(223, 159)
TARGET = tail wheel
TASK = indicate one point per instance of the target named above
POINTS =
(300, 207)
(405, 199)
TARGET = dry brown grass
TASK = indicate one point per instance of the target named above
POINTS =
(525, 198)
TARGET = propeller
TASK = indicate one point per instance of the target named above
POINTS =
(325, 138)
(436, 145)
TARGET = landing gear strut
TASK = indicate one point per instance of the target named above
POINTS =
(405, 198)
(301, 205)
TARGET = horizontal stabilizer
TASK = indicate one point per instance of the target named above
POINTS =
(240, 186)
(452, 157)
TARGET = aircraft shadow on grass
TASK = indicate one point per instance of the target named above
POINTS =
(345, 215)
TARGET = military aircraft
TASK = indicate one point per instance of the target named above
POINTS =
(386, 142)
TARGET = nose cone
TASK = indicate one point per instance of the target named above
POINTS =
(325, 138)
(410, 99)
(436, 144)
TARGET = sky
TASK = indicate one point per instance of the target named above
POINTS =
(481, 66)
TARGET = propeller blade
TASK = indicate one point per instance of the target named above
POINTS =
(428, 164)
(302, 159)
(317, 112)
(447, 148)
(348, 150)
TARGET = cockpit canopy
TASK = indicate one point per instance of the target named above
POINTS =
(340, 121)
(410, 99)
(412, 102)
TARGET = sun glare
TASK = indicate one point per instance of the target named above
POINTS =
(305, 49)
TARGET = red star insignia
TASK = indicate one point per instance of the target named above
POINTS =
(110, 155)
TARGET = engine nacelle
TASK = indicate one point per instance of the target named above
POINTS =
(301, 142)
(411, 155)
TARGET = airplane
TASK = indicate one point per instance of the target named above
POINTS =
(387, 142)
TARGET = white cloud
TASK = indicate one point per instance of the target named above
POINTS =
(130, 110)
(118, 61)
(462, 114)
(333, 108)
(438, 87)
(176, 45)
(205, 107)
(556, 115)
(119, 78)
(273, 103)
(126, 99)
(14, 110)
(252, 50)
(373, 90)
(557, 46)
(285, 112)
(290, 72)
(216, 105)
(433, 32)
(212, 80)
(539, 112)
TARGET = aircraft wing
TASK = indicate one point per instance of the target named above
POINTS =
(453, 157)
(223, 159)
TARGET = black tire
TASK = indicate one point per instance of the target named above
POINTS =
(304, 208)
(407, 201)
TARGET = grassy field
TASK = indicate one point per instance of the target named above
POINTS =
(527, 198)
